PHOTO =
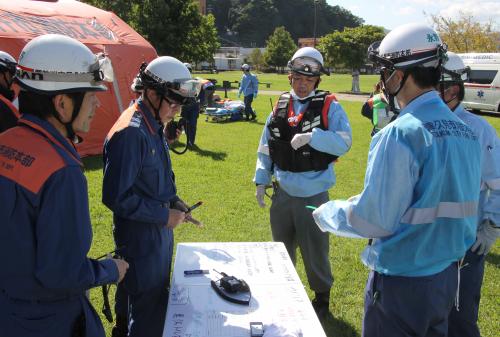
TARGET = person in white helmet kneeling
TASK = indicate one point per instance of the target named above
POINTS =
(418, 206)
(463, 318)
(139, 187)
(304, 135)
(46, 231)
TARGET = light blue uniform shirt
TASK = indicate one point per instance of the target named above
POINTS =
(489, 200)
(420, 194)
(249, 84)
(336, 141)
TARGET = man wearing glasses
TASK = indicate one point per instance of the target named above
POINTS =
(304, 135)
(139, 187)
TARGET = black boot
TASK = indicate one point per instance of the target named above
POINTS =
(321, 304)
(121, 327)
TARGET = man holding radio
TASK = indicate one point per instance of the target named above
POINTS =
(139, 187)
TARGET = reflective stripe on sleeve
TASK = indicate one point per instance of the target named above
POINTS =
(264, 149)
(345, 136)
(364, 227)
(454, 210)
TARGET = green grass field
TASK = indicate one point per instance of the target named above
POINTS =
(220, 171)
(279, 82)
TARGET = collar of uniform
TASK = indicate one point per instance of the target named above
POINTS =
(459, 109)
(297, 98)
(149, 115)
(424, 98)
(52, 131)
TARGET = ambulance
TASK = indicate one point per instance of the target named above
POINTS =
(482, 91)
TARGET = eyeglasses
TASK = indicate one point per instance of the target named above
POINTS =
(173, 104)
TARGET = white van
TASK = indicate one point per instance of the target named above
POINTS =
(482, 92)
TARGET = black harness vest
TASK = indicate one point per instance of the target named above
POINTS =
(304, 158)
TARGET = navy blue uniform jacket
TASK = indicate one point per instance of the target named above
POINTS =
(139, 187)
(45, 235)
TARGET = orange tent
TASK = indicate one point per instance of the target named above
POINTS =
(101, 31)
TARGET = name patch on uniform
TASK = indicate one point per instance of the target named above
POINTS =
(443, 128)
(15, 155)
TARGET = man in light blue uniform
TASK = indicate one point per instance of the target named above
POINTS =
(302, 138)
(419, 202)
(249, 87)
(463, 319)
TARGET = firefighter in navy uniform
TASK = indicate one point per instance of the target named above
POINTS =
(139, 187)
(45, 229)
(302, 138)
(9, 114)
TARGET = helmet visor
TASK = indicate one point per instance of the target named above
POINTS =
(307, 66)
(458, 75)
(186, 87)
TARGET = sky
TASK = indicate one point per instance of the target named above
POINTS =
(392, 13)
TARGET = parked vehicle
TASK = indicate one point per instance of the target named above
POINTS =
(482, 91)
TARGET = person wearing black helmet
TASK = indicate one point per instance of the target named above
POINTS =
(9, 114)
(139, 187)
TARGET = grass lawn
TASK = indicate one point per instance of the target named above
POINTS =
(220, 171)
(279, 82)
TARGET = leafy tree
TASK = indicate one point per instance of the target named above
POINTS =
(248, 22)
(173, 27)
(466, 35)
(349, 47)
(254, 22)
(280, 48)
(256, 58)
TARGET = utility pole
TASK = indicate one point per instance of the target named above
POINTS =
(315, 17)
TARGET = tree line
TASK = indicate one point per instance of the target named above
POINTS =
(176, 28)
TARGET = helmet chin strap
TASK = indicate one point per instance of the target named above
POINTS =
(392, 96)
(155, 110)
(77, 104)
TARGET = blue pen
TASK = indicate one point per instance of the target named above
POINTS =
(195, 272)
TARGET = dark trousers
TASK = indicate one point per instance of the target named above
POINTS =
(292, 223)
(463, 323)
(191, 114)
(248, 106)
(398, 306)
(147, 312)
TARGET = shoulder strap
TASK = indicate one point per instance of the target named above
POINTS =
(281, 108)
(329, 98)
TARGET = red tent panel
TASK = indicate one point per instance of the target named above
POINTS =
(101, 31)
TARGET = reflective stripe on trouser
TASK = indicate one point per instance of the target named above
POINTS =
(292, 223)
(464, 322)
(398, 306)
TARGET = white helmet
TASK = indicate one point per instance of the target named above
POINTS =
(55, 64)
(307, 61)
(245, 67)
(171, 78)
(454, 69)
(7, 63)
(409, 46)
(188, 65)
